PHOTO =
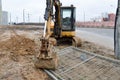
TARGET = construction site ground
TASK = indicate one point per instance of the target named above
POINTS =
(20, 44)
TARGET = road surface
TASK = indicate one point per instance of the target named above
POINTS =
(102, 37)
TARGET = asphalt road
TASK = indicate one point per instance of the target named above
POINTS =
(103, 37)
(103, 32)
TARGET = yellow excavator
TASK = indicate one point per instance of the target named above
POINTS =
(59, 28)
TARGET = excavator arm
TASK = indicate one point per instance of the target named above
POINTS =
(49, 16)
(47, 57)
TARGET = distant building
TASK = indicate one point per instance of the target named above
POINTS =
(111, 17)
(0, 12)
(104, 16)
(4, 18)
(3, 15)
(105, 19)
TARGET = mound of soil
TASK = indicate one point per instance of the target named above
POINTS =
(19, 45)
(16, 60)
(94, 48)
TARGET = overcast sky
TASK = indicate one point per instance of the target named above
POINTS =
(36, 8)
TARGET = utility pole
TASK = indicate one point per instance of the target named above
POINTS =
(23, 16)
(16, 19)
(117, 33)
(112, 7)
(10, 19)
(39, 19)
(28, 17)
(84, 16)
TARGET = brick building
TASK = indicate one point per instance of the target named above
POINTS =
(111, 17)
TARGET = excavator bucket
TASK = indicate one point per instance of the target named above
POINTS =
(47, 58)
(47, 63)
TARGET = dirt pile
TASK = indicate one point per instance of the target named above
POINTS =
(16, 60)
(94, 48)
(19, 45)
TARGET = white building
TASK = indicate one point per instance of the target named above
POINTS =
(4, 18)
(0, 12)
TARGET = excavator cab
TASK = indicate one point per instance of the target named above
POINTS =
(68, 18)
